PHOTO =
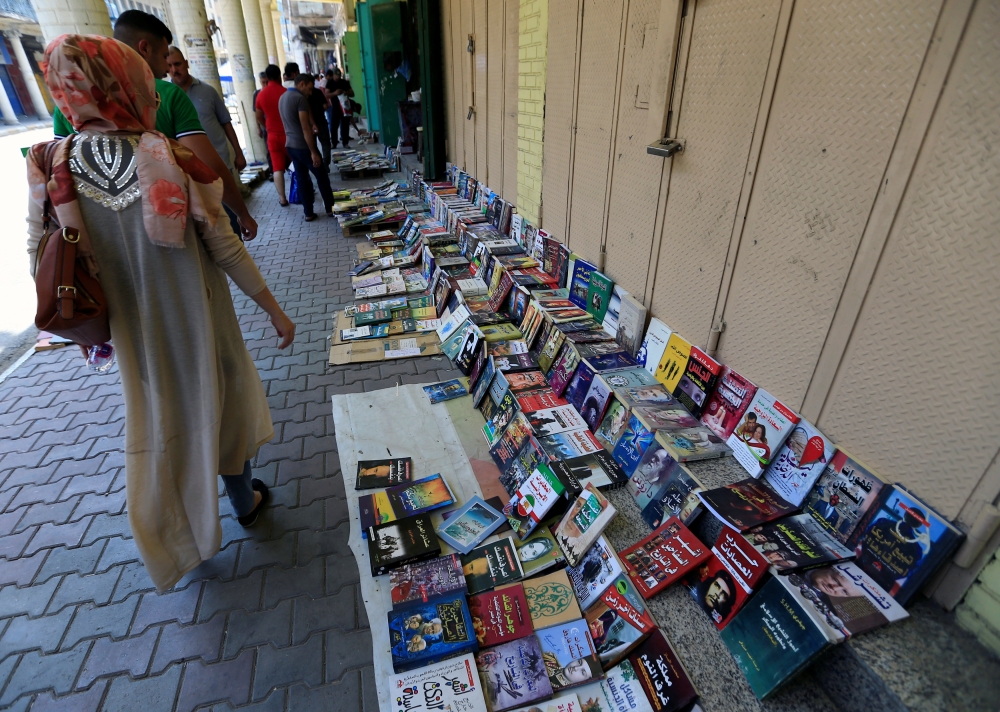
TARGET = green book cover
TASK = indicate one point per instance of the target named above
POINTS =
(599, 295)
(378, 316)
(773, 639)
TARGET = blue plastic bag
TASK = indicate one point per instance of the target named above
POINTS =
(293, 189)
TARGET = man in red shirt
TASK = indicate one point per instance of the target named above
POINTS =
(266, 110)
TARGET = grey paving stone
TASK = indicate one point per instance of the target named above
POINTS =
(76, 589)
(93, 621)
(284, 519)
(369, 691)
(320, 488)
(22, 571)
(226, 596)
(275, 702)
(228, 680)
(336, 511)
(36, 672)
(108, 525)
(29, 600)
(109, 503)
(42, 633)
(118, 551)
(7, 666)
(323, 543)
(281, 667)
(362, 610)
(320, 614)
(156, 608)
(88, 701)
(347, 651)
(344, 694)
(295, 469)
(42, 512)
(340, 572)
(51, 535)
(81, 560)
(40, 493)
(258, 554)
(222, 567)
(151, 694)
(108, 657)
(268, 626)
(82, 484)
(134, 578)
(281, 584)
(178, 643)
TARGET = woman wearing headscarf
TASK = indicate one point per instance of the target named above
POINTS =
(147, 210)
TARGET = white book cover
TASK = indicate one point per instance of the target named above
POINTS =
(597, 570)
(631, 319)
(612, 318)
(622, 690)
(799, 463)
(449, 325)
(561, 419)
(452, 685)
(563, 703)
(653, 346)
(758, 438)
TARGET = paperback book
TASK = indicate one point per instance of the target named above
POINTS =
(451, 685)
(692, 444)
(405, 500)
(699, 379)
(513, 674)
(551, 421)
(663, 557)
(421, 634)
(500, 616)
(612, 425)
(491, 565)
(631, 320)
(662, 676)
(401, 542)
(472, 523)
(440, 392)
(598, 569)
(599, 295)
(567, 702)
(842, 496)
(632, 445)
(374, 474)
(507, 448)
(619, 691)
(566, 446)
(583, 523)
(539, 551)
(653, 345)
(569, 655)
(674, 362)
(766, 425)
(533, 500)
(616, 625)
(724, 582)
(580, 282)
(799, 463)
(426, 580)
(497, 423)
(745, 504)
(551, 600)
(599, 469)
(523, 464)
(563, 369)
(797, 543)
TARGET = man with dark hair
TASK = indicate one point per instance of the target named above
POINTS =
(176, 117)
(291, 73)
(261, 125)
(300, 143)
(268, 116)
(318, 104)
(339, 92)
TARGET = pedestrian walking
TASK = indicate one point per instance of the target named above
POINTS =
(267, 114)
(300, 143)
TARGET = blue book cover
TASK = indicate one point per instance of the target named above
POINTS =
(569, 654)
(632, 445)
(425, 633)
(579, 386)
(580, 282)
(469, 525)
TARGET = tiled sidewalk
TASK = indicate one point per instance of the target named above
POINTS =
(275, 620)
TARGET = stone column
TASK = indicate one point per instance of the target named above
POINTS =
(269, 39)
(28, 73)
(189, 23)
(279, 35)
(255, 35)
(234, 31)
(7, 109)
(83, 17)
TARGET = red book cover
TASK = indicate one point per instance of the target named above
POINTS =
(739, 556)
(727, 403)
(717, 591)
(500, 615)
(663, 557)
(617, 602)
(527, 381)
(662, 676)
(531, 401)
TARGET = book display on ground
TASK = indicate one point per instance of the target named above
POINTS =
(745, 504)
(470, 525)
(501, 615)
(569, 655)
(375, 474)
(425, 633)
(761, 433)
(662, 676)
(539, 551)
(405, 500)
(551, 600)
(401, 542)
(583, 523)
(427, 580)
(797, 543)
(449, 685)
(799, 463)
(616, 624)
(491, 565)
(513, 674)
(663, 557)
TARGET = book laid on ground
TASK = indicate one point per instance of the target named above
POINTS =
(563, 368)
(583, 523)
(673, 362)
(842, 496)
(561, 419)
(632, 445)
(539, 552)
(401, 542)
(507, 448)
(773, 638)
(617, 625)
(490, 565)
(766, 425)
(598, 468)
(745, 504)
(565, 446)
(533, 500)
(405, 500)
(724, 582)
(551, 600)
(699, 379)
(597, 570)
(523, 464)
(663, 557)
(615, 419)
(513, 674)
(579, 284)
(674, 496)
(902, 542)
(653, 345)
(631, 321)
(797, 543)
(424, 581)
(497, 423)
(451, 324)
(799, 463)
(470, 525)
(666, 683)
(692, 444)
(447, 390)
(375, 474)
(569, 655)
(448, 685)
(599, 295)
(566, 702)
(500, 615)
(425, 633)
(613, 315)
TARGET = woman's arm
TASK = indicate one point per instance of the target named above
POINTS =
(36, 229)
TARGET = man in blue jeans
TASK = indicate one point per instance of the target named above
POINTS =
(300, 143)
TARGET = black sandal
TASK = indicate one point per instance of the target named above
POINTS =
(248, 520)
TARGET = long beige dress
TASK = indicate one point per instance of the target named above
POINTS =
(194, 404)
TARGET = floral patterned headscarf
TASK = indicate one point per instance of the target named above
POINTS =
(103, 85)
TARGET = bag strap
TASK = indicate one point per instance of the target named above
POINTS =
(66, 291)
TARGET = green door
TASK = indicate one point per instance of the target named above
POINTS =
(352, 51)
(387, 33)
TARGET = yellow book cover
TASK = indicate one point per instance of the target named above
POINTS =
(674, 361)
(423, 313)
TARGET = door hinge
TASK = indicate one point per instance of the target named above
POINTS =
(471, 48)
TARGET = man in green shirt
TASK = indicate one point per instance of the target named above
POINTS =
(176, 117)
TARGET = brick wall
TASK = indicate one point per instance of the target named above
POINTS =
(532, 37)
(979, 613)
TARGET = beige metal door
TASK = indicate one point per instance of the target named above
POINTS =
(847, 75)
(722, 83)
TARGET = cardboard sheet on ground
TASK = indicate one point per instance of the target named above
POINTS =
(395, 423)
(397, 345)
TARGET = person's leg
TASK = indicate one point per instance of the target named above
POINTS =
(324, 140)
(323, 180)
(239, 488)
(279, 162)
(345, 131)
(330, 124)
(303, 165)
